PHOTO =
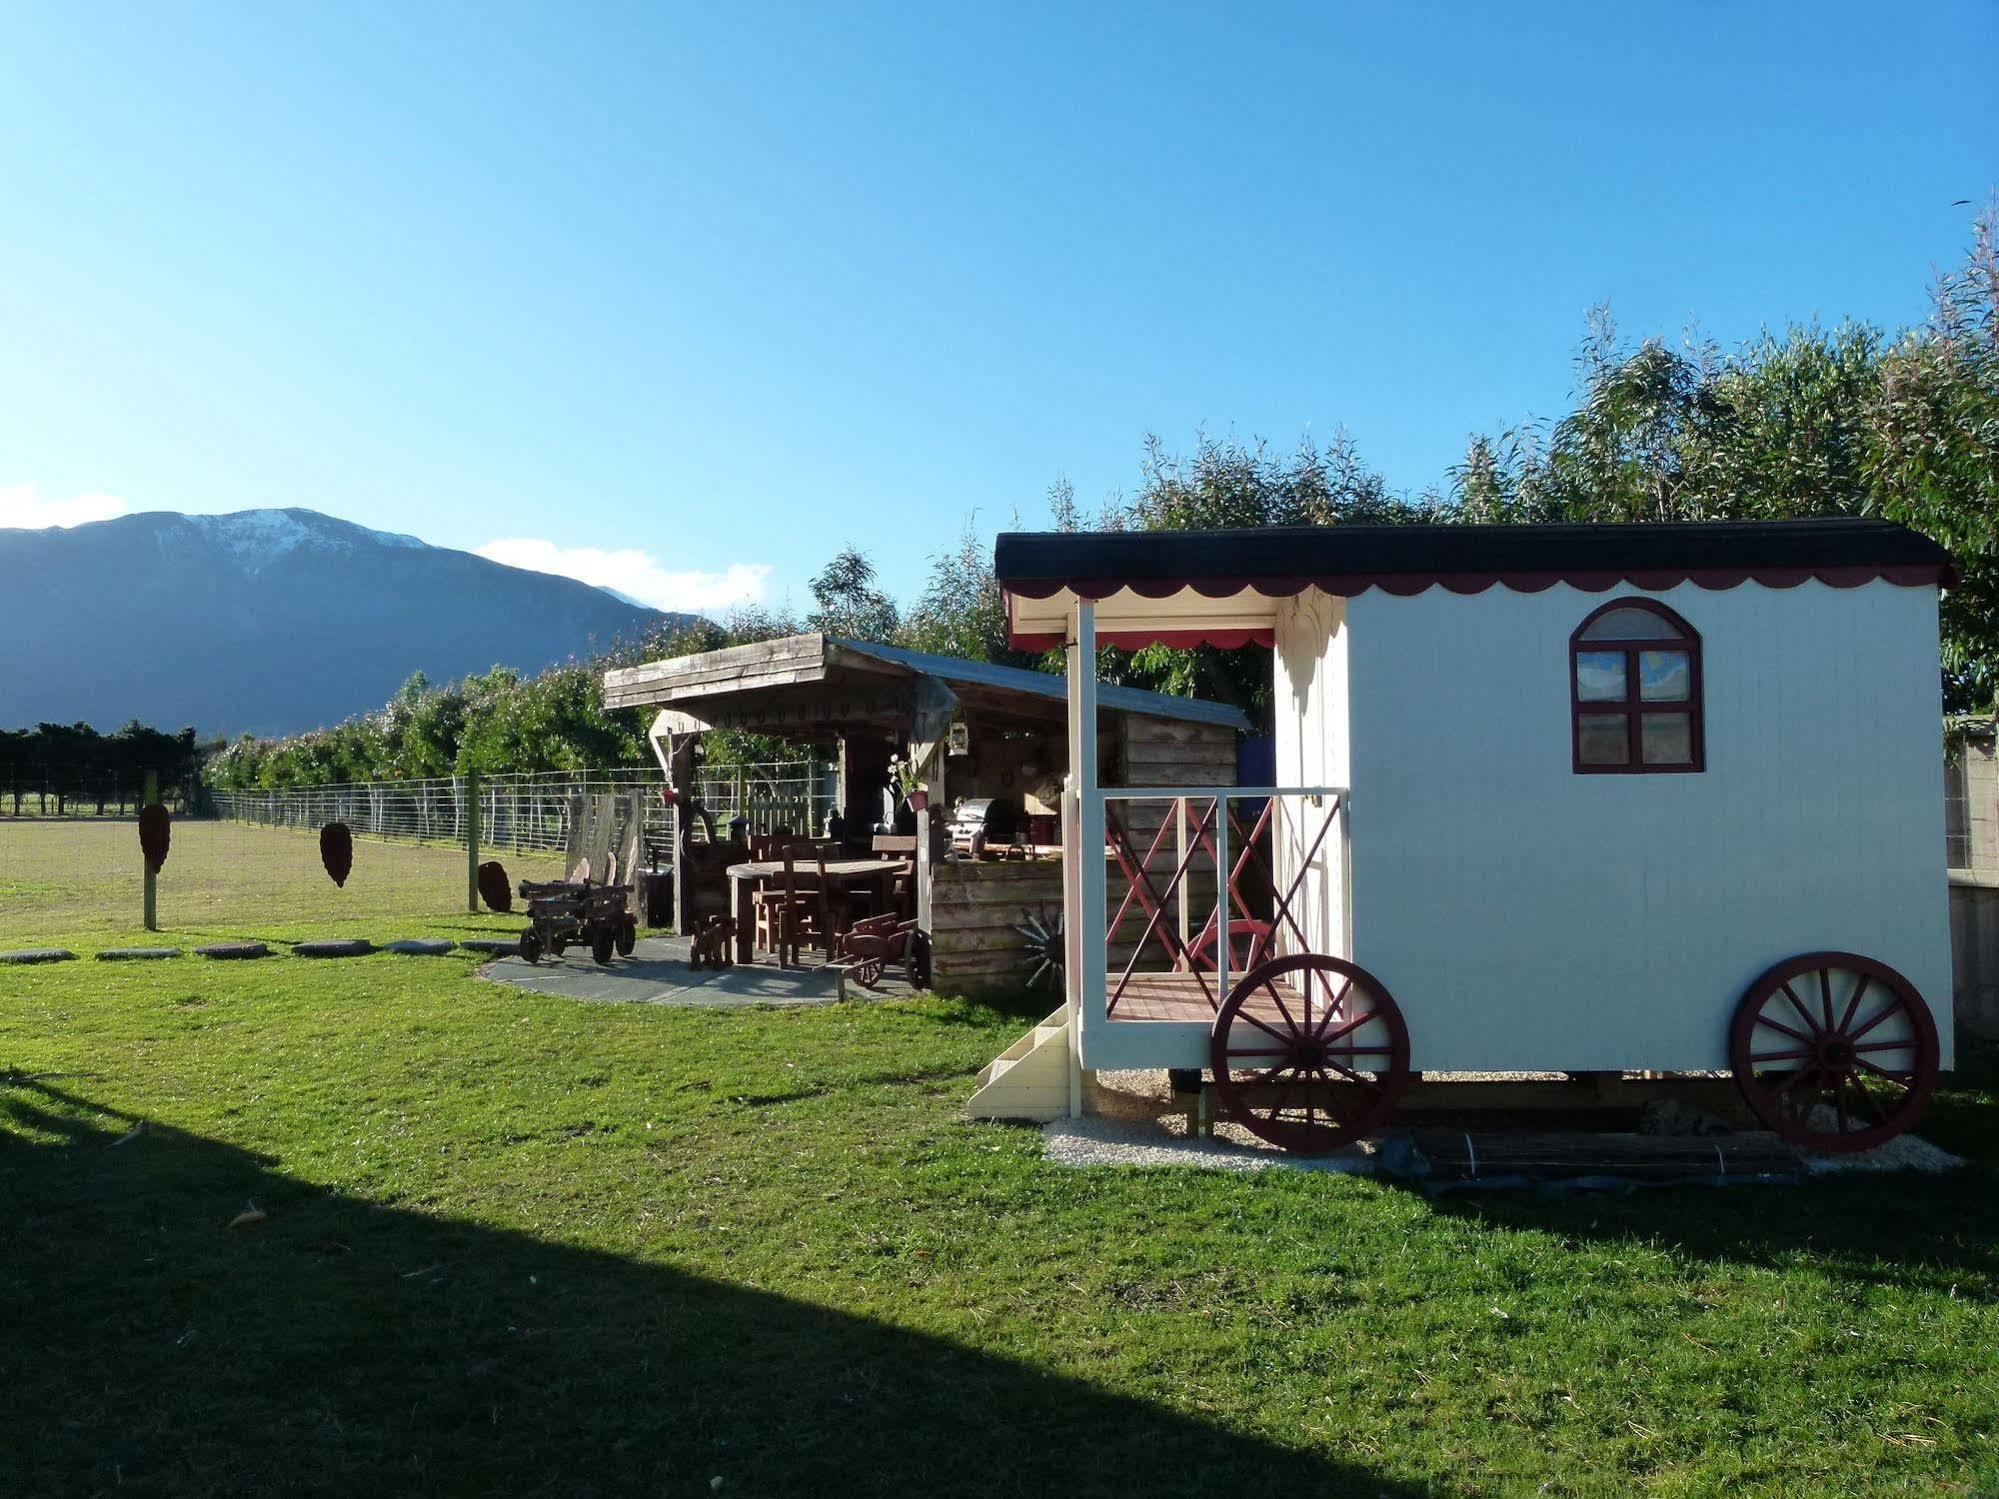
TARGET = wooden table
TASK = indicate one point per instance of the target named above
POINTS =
(841, 874)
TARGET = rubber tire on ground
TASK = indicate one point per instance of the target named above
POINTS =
(531, 946)
(628, 936)
(603, 942)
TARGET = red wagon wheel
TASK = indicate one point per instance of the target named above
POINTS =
(1834, 1051)
(1309, 1053)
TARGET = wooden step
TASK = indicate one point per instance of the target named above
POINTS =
(1030, 1079)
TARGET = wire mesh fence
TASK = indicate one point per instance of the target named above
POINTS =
(533, 813)
(90, 794)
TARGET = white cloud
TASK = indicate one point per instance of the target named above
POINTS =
(21, 505)
(635, 574)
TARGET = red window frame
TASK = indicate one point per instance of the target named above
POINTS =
(1632, 706)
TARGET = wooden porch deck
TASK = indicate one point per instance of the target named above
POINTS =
(1179, 996)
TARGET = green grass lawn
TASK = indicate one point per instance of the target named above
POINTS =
(519, 1245)
(81, 884)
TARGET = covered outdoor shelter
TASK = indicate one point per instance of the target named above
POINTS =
(976, 733)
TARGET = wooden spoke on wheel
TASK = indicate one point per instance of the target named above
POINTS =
(1309, 1053)
(1843, 1083)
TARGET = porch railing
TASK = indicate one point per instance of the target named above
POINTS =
(1283, 833)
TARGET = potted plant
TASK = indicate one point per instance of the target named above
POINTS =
(910, 783)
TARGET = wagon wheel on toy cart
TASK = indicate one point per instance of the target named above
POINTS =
(1834, 1051)
(1309, 1053)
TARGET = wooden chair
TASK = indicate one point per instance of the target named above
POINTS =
(844, 906)
(771, 845)
(796, 913)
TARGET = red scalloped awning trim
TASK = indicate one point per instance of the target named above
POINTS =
(1347, 585)
(1407, 585)
(1138, 640)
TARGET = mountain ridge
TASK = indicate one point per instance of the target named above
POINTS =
(268, 621)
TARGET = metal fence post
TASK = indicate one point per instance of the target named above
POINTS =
(472, 842)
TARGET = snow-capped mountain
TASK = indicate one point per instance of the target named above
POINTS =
(266, 620)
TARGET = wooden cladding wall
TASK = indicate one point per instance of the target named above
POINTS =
(1156, 752)
(977, 908)
(1974, 953)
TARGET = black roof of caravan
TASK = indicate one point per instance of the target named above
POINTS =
(1842, 546)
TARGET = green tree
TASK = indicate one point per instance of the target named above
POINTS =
(848, 604)
(1234, 484)
(1806, 422)
(961, 612)
(1933, 455)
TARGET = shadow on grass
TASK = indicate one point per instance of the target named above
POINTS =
(344, 1347)
(1893, 1229)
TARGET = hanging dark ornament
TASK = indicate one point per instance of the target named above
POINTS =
(155, 835)
(1045, 950)
(336, 851)
(494, 888)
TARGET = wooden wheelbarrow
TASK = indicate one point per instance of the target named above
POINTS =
(870, 946)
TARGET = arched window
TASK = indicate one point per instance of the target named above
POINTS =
(1635, 690)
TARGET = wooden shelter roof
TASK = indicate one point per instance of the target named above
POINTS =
(802, 684)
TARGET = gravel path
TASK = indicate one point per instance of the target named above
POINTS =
(1127, 1142)
(1132, 1121)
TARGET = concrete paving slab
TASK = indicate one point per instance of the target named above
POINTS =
(355, 947)
(235, 950)
(130, 954)
(38, 955)
(657, 974)
(425, 947)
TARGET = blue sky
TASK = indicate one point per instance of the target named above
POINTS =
(729, 287)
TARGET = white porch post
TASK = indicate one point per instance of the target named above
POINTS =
(1084, 854)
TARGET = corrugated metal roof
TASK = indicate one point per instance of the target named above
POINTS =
(1043, 684)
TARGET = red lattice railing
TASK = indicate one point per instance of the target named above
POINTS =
(1210, 951)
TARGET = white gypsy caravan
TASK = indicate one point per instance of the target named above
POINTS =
(1588, 799)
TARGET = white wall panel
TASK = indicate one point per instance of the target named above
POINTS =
(1527, 917)
(1310, 709)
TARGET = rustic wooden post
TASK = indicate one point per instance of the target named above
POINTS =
(147, 797)
(843, 783)
(472, 842)
(676, 760)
